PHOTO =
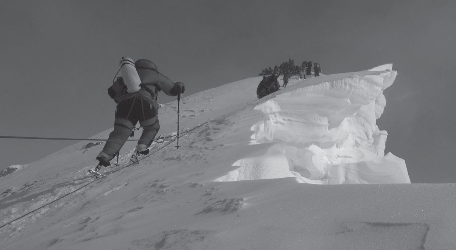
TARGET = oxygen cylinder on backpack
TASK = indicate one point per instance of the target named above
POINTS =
(130, 75)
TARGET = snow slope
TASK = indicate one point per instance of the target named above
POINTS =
(238, 180)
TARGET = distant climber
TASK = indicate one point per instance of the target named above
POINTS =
(309, 68)
(136, 96)
(268, 85)
(298, 71)
(276, 70)
(317, 69)
(304, 69)
(263, 87)
(285, 80)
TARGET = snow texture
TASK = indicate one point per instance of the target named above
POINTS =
(240, 179)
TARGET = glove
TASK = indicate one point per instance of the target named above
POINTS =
(179, 88)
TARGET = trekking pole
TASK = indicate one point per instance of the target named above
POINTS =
(178, 108)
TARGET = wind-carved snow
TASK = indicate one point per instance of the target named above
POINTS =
(325, 133)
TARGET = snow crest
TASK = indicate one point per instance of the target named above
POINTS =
(326, 133)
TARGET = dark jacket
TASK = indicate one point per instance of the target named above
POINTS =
(152, 80)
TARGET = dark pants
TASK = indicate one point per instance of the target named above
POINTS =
(128, 113)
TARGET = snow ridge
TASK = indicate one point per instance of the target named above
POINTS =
(325, 133)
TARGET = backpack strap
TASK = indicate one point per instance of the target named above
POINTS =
(118, 90)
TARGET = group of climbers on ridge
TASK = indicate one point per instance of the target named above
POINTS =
(288, 69)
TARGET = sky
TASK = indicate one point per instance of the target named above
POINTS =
(61, 56)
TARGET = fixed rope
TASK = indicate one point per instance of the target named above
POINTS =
(127, 165)
(53, 138)
(95, 179)
(57, 138)
(36, 209)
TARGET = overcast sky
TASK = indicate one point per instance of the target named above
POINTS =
(59, 58)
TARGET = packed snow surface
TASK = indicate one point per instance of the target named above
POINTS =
(241, 179)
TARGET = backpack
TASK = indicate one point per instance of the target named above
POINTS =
(118, 90)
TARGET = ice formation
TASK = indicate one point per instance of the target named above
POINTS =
(325, 132)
